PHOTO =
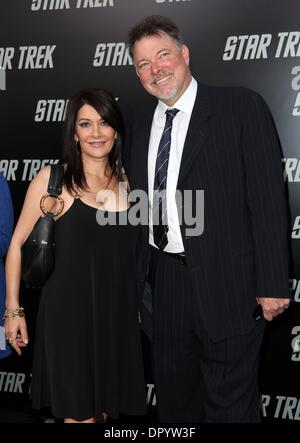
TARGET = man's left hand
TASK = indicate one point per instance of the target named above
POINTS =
(273, 306)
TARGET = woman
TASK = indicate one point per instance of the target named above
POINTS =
(87, 360)
(6, 226)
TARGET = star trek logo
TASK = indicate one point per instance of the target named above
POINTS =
(112, 54)
(56, 5)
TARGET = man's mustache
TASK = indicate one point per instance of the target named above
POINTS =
(160, 76)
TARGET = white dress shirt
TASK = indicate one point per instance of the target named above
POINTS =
(180, 126)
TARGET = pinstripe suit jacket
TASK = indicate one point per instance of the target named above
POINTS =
(232, 152)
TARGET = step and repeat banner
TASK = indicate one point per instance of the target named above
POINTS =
(50, 49)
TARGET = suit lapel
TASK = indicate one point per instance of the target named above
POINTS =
(198, 131)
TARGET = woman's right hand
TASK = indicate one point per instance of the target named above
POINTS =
(16, 332)
(15, 326)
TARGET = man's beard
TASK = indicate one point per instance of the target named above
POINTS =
(168, 96)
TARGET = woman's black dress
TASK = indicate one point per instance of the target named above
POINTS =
(88, 356)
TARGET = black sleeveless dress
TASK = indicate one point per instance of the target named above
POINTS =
(88, 356)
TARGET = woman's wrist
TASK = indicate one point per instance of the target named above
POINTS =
(14, 312)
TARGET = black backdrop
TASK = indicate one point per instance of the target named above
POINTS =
(50, 49)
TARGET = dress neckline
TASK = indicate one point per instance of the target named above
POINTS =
(100, 209)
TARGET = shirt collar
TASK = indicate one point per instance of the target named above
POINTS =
(185, 103)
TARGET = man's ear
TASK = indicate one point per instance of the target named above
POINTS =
(186, 54)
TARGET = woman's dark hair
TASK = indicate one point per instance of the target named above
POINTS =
(153, 25)
(105, 104)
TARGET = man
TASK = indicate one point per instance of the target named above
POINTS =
(206, 287)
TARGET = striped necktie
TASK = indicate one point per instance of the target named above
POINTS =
(160, 221)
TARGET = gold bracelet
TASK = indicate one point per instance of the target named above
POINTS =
(14, 312)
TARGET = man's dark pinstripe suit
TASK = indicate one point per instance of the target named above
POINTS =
(231, 152)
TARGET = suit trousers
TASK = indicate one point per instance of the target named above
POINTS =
(198, 380)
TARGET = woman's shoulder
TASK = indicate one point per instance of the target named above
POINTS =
(43, 175)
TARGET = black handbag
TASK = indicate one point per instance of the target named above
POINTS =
(38, 251)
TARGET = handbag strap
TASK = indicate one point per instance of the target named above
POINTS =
(56, 180)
